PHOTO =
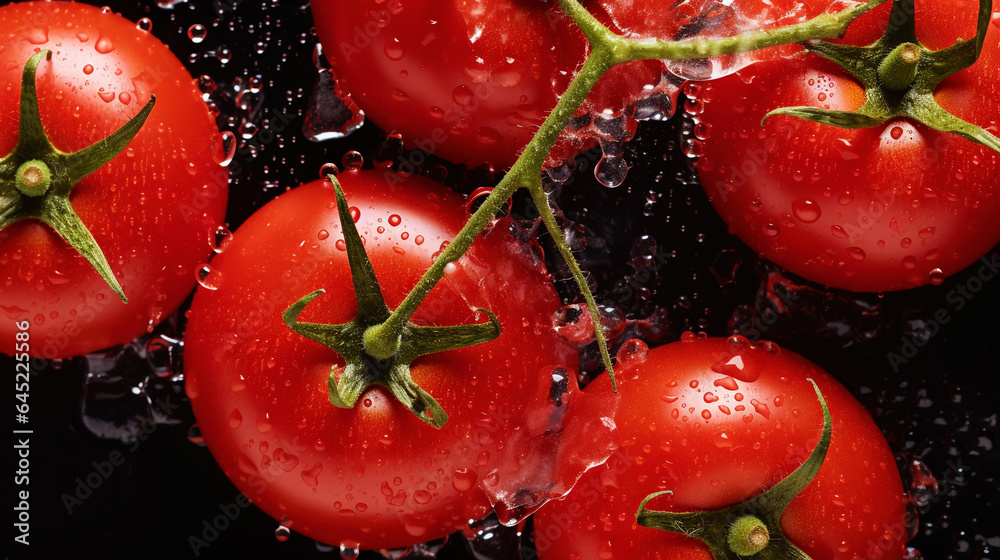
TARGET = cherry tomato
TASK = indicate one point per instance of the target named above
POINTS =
(716, 422)
(885, 208)
(471, 81)
(152, 210)
(375, 475)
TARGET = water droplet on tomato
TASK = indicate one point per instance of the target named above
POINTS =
(463, 479)
(770, 229)
(104, 45)
(807, 211)
(311, 476)
(926, 233)
(395, 220)
(839, 231)
(88, 69)
(856, 253)
(350, 551)
(896, 132)
(419, 240)
(235, 419)
(144, 24)
(909, 262)
(208, 277)
(394, 50)
(936, 276)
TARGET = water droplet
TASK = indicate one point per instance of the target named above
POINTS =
(144, 24)
(770, 229)
(323, 234)
(352, 160)
(208, 277)
(463, 479)
(936, 276)
(807, 211)
(197, 33)
(88, 69)
(104, 45)
(395, 220)
(224, 148)
(220, 238)
(195, 437)
(856, 253)
(235, 419)
(328, 169)
(282, 533)
(926, 233)
(896, 132)
(394, 50)
(839, 231)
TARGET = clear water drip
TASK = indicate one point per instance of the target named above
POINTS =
(566, 433)
(130, 392)
(331, 113)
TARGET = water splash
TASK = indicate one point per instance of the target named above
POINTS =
(331, 113)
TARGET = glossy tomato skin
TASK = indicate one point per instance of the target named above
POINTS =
(152, 209)
(694, 423)
(472, 81)
(886, 208)
(374, 476)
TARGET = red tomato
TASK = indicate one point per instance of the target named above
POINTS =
(152, 209)
(374, 476)
(875, 209)
(716, 422)
(471, 81)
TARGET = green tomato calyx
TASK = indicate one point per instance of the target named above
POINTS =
(751, 528)
(36, 179)
(376, 353)
(899, 76)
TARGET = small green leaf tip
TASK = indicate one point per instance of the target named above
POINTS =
(36, 179)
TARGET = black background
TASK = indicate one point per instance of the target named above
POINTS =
(939, 408)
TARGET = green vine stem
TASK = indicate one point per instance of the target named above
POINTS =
(606, 50)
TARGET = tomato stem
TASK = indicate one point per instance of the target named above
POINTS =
(900, 76)
(819, 27)
(752, 527)
(899, 69)
(374, 354)
(36, 179)
(748, 536)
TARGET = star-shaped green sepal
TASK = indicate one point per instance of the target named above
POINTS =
(361, 340)
(753, 527)
(899, 76)
(36, 178)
